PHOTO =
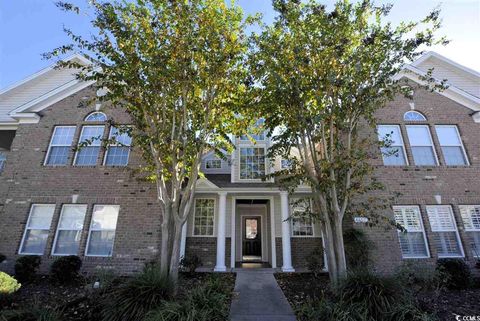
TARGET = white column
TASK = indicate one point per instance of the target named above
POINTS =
(221, 228)
(286, 247)
(183, 241)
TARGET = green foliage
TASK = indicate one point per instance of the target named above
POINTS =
(315, 262)
(131, 301)
(208, 302)
(35, 313)
(2, 258)
(417, 277)
(65, 269)
(8, 284)
(26, 268)
(190, 264)
(455, 273)
(106, 277)
(357, 248)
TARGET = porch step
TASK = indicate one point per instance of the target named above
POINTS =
(268, 270)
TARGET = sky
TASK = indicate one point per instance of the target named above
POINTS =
(29, 28)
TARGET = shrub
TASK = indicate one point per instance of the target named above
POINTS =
(190, 264)
(8, 284)
(455, 273)
(2, 258)
(417, 277)
(131, 301)
(106, 277)
(26, 268)
(65, 269)
(35, 313)
(357, 248)
(315, 262)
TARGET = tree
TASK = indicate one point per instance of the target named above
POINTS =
(320, 77)
(176, 67)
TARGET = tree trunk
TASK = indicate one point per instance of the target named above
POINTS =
(340, 249)
(174, 262)
(164, 246)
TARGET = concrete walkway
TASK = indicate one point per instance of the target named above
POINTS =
(257, 297)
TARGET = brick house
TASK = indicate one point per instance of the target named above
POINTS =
(56, 201)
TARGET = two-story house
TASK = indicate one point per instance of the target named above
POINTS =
(55, 200)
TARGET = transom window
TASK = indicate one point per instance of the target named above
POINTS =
(204, 216)
(258, 135)
(413, 242)
(118, 152)
(89, 145)
(213, 163)
(69, 230)
(252, 162)
(96, 116)
(302, 222)
(451, 145)
(413, 116)
(102, 230)
(394, 152)
(60, 145)
(37, 229)
(421, 143)
(444, 230)
(471, 222)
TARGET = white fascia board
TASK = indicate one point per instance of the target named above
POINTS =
(9, 126)
(430, 54)
(207, 185)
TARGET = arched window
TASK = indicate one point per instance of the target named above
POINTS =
(96, 116)
(413, 116)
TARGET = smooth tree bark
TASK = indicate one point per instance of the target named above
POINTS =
(319, 78)
(177, 68)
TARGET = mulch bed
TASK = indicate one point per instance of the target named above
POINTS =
(299, 287)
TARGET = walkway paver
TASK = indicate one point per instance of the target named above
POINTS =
(259, 298)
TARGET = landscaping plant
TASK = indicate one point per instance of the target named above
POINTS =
(190, 264)
(26, 268)
(357, 248)
(315, 262)
(65, 269)
(8, 284)
(455, 273)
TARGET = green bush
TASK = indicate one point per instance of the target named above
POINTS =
(131, 301)
(455, 273)
(190, 264)
(418, 277)
(65, 269)
(26, 268)
(8, 284)
(35, 313)
(357, 248)
(315, 262)
(208, 302)
(2, 258)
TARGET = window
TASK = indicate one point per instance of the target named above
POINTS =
(37, 229)
(69, 230)
(118, 152)
(413, 242)
(96, 116)
(445, 234)
(90, 137)
(252, 163)
(285, 163)
(3, 159)
(394, 154)
(102, 230)
(204, 217)
(421, 143)
(258, 136)
(213, 163)
(413, 116)
(471, 222)
(302, 222)
(451, 145)
(60, 145)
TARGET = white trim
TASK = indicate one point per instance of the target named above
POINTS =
(55, 240)
(400, 134)
(90, 231)
(401, 207)
(461, 145)
(104, 162)
(266, 163)
(50, 144)
(437, 163)
(80, 141)
(27, 228)
(215, 213)
(291, 220)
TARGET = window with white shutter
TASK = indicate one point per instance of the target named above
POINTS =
(446, 239)
(413, 241)
(471, 222)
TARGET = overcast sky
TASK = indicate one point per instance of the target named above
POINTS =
(29, 28)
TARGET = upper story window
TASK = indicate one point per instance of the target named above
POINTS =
(60, 145)
(394, 154)
(89, 145)
(37, 229)
(413, 242)
(421, 144)
(252, 162)
(118, 152)
(3, 159)
(213, 163)
(413, 116)
(96, 116)
(451, 145)
(258, 135)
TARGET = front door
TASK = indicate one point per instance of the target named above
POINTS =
(252, 239)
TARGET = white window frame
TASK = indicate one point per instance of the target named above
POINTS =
(414, 120)
(80, 141)
(214, 217)
(431, 142)
(27, 228)
(240, 162)
(95, 113)
(292, 218)
(104, 163)
(467, 162)
(213, 160)
(460, 245)
(467, 229)
(416, 207)
(401, 139)
(50, 145)
(90, 229)
(85, 206)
